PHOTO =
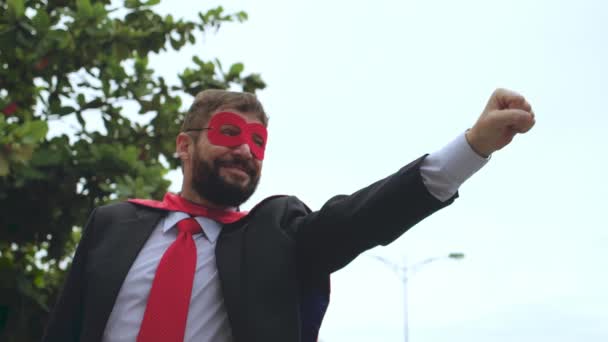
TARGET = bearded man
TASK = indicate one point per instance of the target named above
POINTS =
(193, 268)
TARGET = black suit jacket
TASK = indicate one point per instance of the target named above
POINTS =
(265, 260)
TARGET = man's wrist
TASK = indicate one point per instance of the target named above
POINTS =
(472, 140)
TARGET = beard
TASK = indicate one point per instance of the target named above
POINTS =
(208, 184)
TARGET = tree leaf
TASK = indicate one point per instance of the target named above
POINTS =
(236, 69)
(4, 167)
(16, 9)
(84, 8)
(41, 21)
(131, 4)
(46, 157)
(37, 129)
(23, 154)
(66, 110)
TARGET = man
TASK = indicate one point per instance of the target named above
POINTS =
(192, 268)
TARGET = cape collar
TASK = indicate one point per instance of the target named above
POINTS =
(173, 202)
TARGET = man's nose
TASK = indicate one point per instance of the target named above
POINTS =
(243, 150)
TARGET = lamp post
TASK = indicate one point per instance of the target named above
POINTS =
(402, 271)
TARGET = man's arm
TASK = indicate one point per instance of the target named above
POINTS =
(378, 214)
(65, 322)
(328, 239)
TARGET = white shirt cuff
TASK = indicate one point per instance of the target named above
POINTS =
(444, 171)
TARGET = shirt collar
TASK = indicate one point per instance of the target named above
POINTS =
(211, 228)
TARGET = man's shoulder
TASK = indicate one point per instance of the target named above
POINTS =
(283, 210)
(117, 208)
(122, 211)
(278, 203)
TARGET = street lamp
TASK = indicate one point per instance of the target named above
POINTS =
(402, 271)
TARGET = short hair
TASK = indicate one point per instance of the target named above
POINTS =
(209, 101)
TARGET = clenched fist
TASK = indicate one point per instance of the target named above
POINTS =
(506, 114)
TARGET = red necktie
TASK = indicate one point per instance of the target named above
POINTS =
(167, 309)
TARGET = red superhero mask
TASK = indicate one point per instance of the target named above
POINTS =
(231, 130)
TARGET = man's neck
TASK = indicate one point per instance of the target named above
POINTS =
(195, 198)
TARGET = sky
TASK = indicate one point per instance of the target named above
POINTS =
(357, 89)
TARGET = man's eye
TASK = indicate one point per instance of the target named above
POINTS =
(230, 130)
(258, 140)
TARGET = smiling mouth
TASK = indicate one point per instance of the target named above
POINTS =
(236, 169)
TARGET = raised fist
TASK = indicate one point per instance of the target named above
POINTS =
(506, 114)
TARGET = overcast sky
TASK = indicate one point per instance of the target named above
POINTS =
(357, 89)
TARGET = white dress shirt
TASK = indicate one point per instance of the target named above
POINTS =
(442, 172)
(207, 317)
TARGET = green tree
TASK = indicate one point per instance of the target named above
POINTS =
(63, 60)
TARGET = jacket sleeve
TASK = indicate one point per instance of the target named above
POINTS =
(328, 239)
(65, 322)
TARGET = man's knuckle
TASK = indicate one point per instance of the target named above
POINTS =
(499, 91)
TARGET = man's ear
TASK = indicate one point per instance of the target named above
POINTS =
(183, 143)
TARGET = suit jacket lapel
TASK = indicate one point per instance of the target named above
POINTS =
(110, 262)
(229, 258)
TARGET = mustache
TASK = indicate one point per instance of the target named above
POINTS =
(243, 164)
